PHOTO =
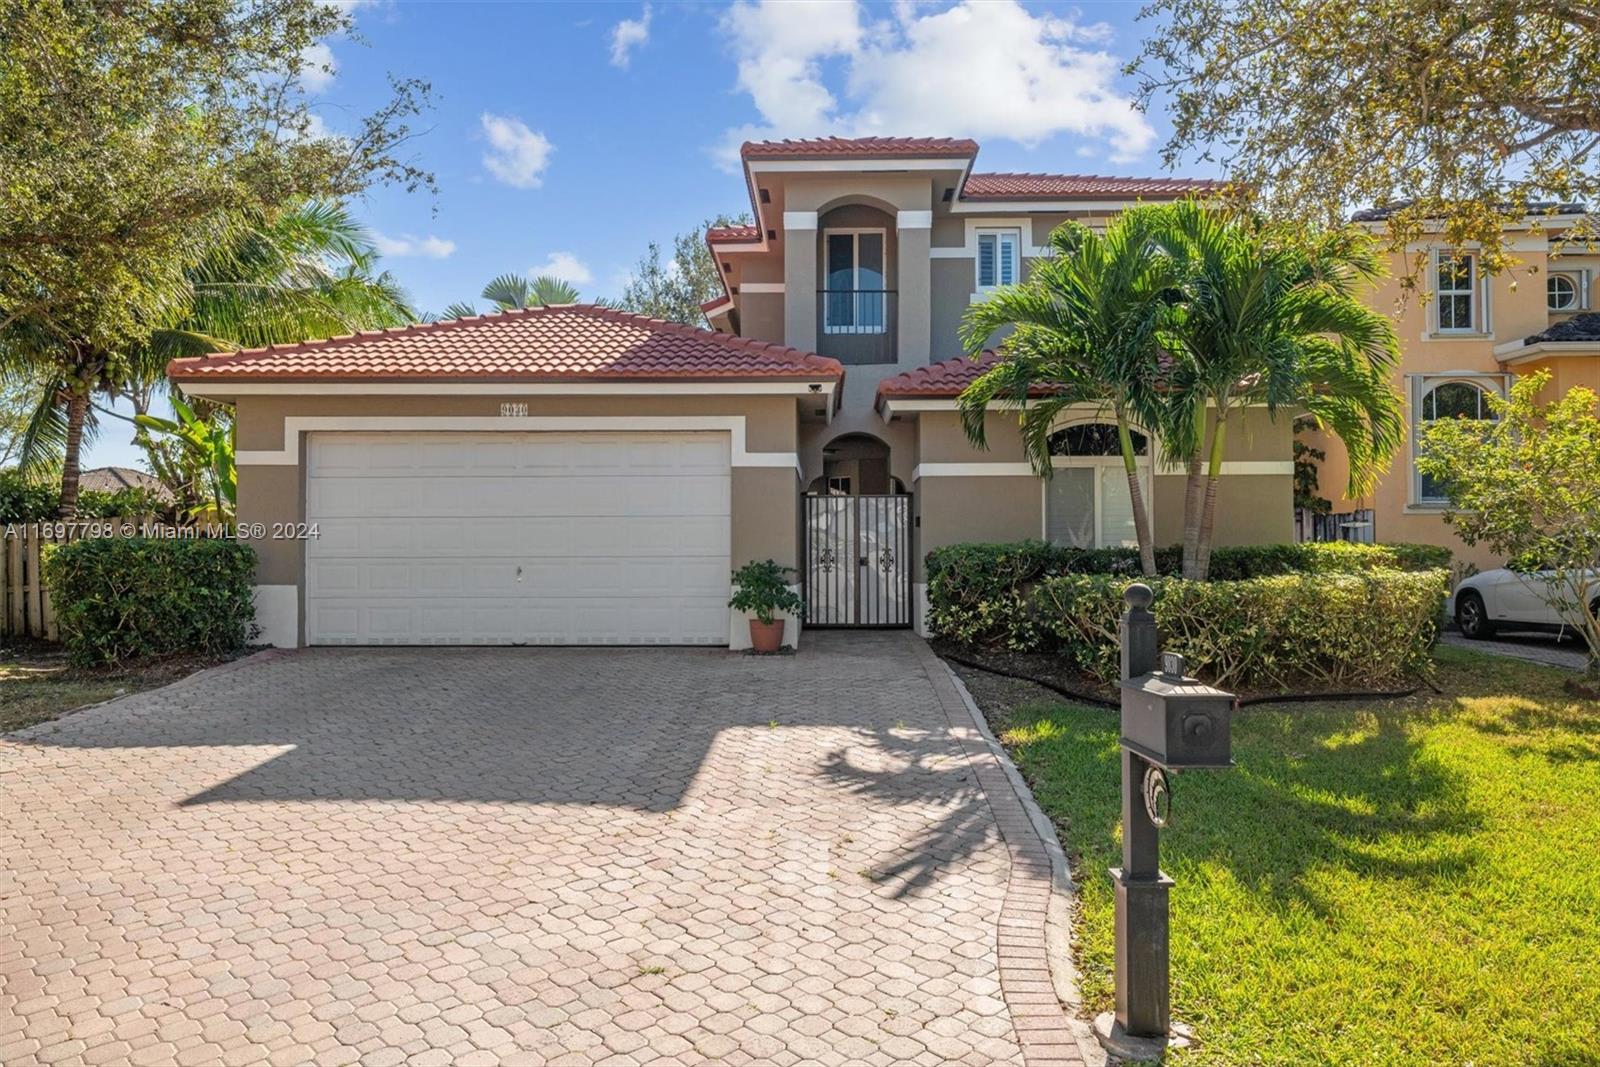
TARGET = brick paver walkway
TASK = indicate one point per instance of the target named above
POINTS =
(519, 855)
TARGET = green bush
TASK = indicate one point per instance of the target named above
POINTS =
(1371, 630)
(25, 500)
(1316, 615)
(123, 598)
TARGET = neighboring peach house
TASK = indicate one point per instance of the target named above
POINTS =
(581, 475)
(1464, 336)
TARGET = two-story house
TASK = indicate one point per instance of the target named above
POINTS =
(581, 475)
(1465, 335)
(869, 251)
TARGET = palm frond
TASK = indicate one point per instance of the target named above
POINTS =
(548, 290)
(507, 292)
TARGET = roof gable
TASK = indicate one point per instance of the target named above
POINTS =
(558, 343)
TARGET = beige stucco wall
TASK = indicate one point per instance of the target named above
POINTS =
(764, 504)
(761, 317)
(1252, 508)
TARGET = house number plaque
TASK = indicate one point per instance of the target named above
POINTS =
(514, 409)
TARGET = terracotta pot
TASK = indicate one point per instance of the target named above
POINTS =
(766, 636)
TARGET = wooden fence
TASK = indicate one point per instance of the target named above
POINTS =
(25, 610)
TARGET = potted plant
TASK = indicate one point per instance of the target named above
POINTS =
(761, 587)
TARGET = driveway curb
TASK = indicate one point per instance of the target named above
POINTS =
(1037, 977)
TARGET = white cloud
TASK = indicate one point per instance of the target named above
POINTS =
(628, 35)
(429, 247)
(517, 155)
(319, 69)
(974, 69)
(566, 266)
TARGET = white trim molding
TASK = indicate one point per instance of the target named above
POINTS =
(969, 248)
(971, 470)
(799, 220)
(760, 287)
(1016, 470)
(222, 387)
(914, 220)
(1512, 354)
(733, 425)
(278, 615)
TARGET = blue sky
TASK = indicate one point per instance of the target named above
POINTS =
(565, 137)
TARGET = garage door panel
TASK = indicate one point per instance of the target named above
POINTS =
(627, 536)
(701, 620)
(518, 538)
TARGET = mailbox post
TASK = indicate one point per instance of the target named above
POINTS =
(1170, 722)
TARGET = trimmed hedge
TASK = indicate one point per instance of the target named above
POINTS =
(1284, 633)
(1319, 615)
(123, 598)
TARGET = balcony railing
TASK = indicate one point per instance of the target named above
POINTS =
(856, 325)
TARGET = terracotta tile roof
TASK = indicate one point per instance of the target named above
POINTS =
(938, 381)
(861, 148)
(1076, 186)
(561, 343)
(733, 233)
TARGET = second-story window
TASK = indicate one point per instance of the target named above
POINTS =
(1568, 290)
(854, 300)
(999, 258)
(1456, 293)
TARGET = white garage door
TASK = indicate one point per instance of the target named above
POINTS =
(517, 538)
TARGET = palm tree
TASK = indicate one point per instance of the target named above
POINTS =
(512, 292)
(305, 272)
(61, 374)
(1086, 328)
(1271, 316)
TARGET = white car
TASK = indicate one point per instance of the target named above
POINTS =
(1503, 599)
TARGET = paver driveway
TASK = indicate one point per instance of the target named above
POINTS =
(522, 855)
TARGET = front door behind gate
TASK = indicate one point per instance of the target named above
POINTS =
(858, 560)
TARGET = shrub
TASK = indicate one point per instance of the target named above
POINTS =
(1319, 615)
(975, 591)
(1371, 630)
(123, 598)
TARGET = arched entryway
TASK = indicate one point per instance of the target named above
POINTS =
(859, 537)
(856, 464)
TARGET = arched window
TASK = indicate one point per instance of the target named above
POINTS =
(1087, 502)
(1449, 399)
(1094, 439)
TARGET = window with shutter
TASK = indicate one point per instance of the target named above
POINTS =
(999, 258)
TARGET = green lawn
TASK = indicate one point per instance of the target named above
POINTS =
(1412, 882)
(37, 684)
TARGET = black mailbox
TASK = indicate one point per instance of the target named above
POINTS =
(1176, 722)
